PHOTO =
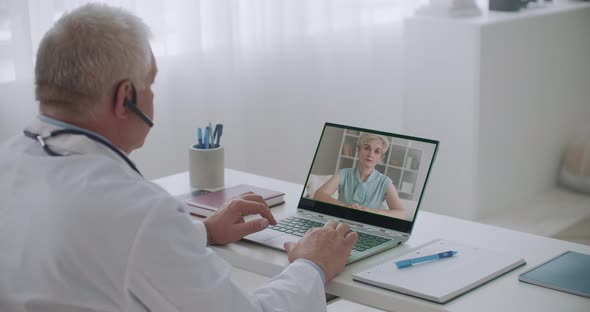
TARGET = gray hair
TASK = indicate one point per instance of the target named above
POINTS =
(367, 138)
(87, 53)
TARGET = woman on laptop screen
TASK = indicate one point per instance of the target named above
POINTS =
(363, 187)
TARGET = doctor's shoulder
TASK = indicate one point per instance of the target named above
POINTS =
(108, 180)
(111, 186)
(120, 202)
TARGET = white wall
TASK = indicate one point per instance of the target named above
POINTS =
(272, 126)
(16, 106)
(328, 151)
(441, 85)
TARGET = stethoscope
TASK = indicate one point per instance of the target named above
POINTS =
(129, 104)
(93, 137)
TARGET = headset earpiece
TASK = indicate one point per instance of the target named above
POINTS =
(132, 105)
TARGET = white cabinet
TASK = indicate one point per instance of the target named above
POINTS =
(401, 163)
(503, 93)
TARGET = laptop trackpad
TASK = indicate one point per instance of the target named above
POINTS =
(278, 242)
(263, 235)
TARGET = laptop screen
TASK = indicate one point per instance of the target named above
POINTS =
(369, 176)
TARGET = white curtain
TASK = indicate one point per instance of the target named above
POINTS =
(273, 71)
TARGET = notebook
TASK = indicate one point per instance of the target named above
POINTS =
(206, 204)
(444, 279)
(334, 189)
(568, 272)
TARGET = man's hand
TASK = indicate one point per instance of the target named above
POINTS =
(227, 224)
(328, 247)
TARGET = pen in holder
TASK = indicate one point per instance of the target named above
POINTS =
(206, 167)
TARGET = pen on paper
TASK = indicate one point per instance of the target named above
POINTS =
(410, 262)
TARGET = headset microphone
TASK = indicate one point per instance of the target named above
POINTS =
(133, 107)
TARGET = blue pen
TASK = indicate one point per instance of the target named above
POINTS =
(211, 133)
(410, 262)
(200, 138)
(217, 134)
(207, 137)
(215, 131)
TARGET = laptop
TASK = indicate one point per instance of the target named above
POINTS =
(372, 180)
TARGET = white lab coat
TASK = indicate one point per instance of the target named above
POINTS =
(86, 233)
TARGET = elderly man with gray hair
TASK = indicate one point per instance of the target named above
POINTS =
(82, 230)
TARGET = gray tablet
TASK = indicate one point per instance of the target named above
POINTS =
(568, 272)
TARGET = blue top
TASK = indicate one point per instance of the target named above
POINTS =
(369, 194)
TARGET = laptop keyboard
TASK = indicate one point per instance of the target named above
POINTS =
(299, 226)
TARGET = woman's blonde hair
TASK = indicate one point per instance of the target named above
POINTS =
(86, 53)
(367, 138)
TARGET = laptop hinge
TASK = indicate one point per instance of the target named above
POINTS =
(377, 229)
(365, 227)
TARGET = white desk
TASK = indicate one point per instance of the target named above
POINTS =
(503, 294)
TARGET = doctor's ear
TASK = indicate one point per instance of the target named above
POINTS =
(124, 97)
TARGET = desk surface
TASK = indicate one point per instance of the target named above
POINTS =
(505, 293)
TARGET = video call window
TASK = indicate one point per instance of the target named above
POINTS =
(370, 171)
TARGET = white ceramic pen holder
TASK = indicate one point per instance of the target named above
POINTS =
(206, 167)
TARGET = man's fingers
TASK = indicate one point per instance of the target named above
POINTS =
(310, 230)
(351, 238)
(251, 226)
(247, 207)
(253, 197)
(288, 246)
(342, 228)
(331, 224)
